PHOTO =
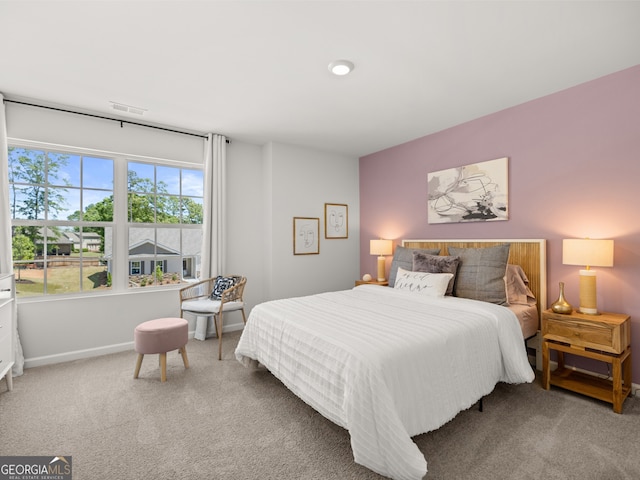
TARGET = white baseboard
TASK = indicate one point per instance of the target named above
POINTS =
(76, 355)
(99, 351)
(211, 332)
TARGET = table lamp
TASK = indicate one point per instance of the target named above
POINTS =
(380, 248)
(590, 253)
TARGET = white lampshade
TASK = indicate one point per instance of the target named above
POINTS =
(380, 247)
(588, 252)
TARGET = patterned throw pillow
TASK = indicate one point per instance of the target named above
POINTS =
(430, 284)
(221, 284)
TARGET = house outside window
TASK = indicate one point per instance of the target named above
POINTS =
(164, 213)
(69, 209)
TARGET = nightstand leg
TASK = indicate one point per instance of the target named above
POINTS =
(545, 365)
(9, 379)
(560, 358)
(617, 385)
(626, 371)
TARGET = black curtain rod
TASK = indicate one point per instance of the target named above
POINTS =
(109, 118)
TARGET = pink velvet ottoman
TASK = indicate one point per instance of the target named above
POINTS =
(161, 335)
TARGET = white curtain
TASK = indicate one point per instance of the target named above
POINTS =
(213, 252)
(6, 255)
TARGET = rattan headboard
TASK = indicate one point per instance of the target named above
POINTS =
(531, 255)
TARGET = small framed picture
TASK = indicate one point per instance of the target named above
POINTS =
(336, 220)
(306, 236)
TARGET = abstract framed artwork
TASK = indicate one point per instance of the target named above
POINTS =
(472, 193)
(336, 220)
(306, 236)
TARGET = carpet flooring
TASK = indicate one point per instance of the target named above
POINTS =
(218, 420)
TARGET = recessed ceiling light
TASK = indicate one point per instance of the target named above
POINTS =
(340, 67)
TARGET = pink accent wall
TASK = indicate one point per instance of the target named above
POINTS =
(574, 172)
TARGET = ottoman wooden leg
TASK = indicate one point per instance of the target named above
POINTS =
(138, 365)
(163, 366)
(183, 352)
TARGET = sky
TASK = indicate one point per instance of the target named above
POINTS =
(80, 181)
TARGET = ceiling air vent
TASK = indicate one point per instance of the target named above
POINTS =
(121, 107)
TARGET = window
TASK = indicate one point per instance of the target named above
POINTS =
(135, 267)
(62, 210)
(68, 213)
(164, 212)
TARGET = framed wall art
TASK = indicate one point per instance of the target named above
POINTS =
(336, 220)
(472, 193)
(306, 236)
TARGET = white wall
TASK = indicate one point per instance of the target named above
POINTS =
(267, 186)
(300, 182)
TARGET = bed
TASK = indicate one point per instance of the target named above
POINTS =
(391, 363)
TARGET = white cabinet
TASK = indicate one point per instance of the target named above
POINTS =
(7, 299)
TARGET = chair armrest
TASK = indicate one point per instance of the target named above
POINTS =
(235, 293)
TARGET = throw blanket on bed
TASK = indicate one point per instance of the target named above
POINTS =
(386, 364)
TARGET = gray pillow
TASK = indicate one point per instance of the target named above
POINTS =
(423, 262)
(403, 258)
(481, 273)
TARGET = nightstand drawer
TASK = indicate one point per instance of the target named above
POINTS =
(5, 320)
(608, 332)
(5, 349)
(384, 283)
(605, 337)
(580, 334)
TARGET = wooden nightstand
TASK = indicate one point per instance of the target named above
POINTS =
(372, 282)
(605, 337)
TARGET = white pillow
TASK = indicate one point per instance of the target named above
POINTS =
(430, 284)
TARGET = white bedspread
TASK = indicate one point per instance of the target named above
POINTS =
(385, 364)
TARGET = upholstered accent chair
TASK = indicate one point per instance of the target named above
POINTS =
(212, 298)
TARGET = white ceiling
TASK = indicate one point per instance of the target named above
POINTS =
(256, 71)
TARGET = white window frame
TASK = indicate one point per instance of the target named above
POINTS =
(120, 227)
